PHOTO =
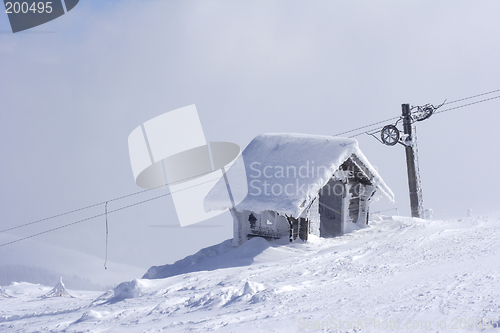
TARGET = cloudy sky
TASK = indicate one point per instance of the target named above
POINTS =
(72, 90)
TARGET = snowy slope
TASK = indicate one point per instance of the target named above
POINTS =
(400, 271)
(56, 261)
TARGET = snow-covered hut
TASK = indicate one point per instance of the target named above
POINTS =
(299, 185)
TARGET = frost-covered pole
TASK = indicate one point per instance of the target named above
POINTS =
(410, 163)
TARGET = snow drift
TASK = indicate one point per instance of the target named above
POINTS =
(219, 256)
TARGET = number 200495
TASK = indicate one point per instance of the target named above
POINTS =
(24, 7)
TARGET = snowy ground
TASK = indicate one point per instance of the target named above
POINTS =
(415, 275)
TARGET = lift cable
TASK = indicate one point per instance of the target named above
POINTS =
(454, 108)
(101, 203)
(458, 100)
(354, 130)
(464, 105)
(463, 99)
(105, 214)
(445, 110)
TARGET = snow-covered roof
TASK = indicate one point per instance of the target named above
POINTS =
(286, 171)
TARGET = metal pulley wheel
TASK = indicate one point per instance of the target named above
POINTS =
(390, 135)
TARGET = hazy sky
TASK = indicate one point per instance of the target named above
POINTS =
(70, 98)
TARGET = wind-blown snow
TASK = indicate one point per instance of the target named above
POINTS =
(425, 274)
(297, 165)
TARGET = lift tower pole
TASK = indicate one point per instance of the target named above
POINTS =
(413, 177)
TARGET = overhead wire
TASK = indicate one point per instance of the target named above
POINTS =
(101, 203)
(463, 99)
(356, 129)
(105, 213)
(453, 108)
(464, 105)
